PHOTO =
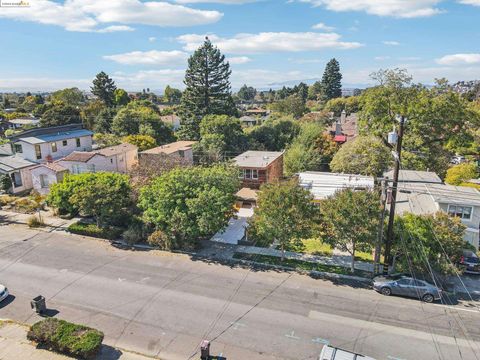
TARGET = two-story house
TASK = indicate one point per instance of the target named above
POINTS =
(259, 167)
(120, 159)
(41, 145)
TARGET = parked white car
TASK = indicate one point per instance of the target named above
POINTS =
(3, 292)
(333, 353)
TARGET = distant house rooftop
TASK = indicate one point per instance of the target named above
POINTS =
(54, 166)
(323, 184)
(257, 159)
(84, 156)
(170, 148)
(49, 134)
(415, 176)
(24, 121)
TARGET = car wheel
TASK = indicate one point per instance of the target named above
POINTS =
(428, 298)
(386, 291)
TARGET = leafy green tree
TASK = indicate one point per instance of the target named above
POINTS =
(172, 95)
(106, 197)
(103, 121)
(139, 118)
(190, 203)
(349, 220)
(247, 93)
(312, 150)
(89, 113)
(69, 96)
(436, 118)
(434, 238)
(61, 114)
(142, 142)
(285, 214)
(350, 105)
(292, 105)
(207, 91)
(121, 97)
(273, 135)
(365, 155)
(104, 88)
(61, 192)
(315, 91)
(30, 103)
(461, 173)
(332, 80)
(106, 140)
(5, 182)
(228, 129)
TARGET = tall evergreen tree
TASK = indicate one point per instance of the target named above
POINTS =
(104, 88)
(207, 90)
(332, 80)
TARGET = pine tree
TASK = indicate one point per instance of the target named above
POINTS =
(207, 89)
(332, 81)
(104, 88)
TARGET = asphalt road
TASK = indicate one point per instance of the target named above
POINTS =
(163, 305)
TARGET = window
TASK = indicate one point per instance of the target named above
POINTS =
(111, 161)
(241, 174)
(255, 174)
(78, 142)
(54, 147)
(463, 212)
(91, 168)
(18, 148)
(404, 282)
(38, 152)
(75, 169)
(64, 142)
(43, 181)
(248, 174)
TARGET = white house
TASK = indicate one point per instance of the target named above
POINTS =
(36, 146)
(120, 159)
(179, 149)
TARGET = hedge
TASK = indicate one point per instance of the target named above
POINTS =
(111, 233)
(67, 338)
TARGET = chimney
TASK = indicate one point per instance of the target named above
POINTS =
(343, 117)
(338, 128)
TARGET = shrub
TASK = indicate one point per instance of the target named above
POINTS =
(161, 240)
(110, 233)
(67, 338)
(461, 173)
(26, 206)
(7, 199)
(135, 232)
(5, 182)
(34, 222)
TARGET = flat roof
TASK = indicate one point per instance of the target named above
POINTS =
(257, 159)
(63, 135)
(323, 184)
(170, 148)
(14, 162)
(415, 176)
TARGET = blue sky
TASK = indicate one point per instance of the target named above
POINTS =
(54, 44)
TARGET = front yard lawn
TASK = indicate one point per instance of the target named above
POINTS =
(299, 264)
(312, 247)
(81, 228)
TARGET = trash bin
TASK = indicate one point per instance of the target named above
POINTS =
(38, 304)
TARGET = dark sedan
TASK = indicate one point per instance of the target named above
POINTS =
(407, 286)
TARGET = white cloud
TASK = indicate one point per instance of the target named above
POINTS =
(239, 60)
(88, 15)
(391, 43)
(152, 39)
(152, 57)
(270, 42)
(459, 59)
(470, 2)
(115, 28)
(393, 8)
(381, 58)
(154, 79)
(322, 26)
(228, 2)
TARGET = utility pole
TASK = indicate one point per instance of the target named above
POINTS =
(378, 246)
(391, 218)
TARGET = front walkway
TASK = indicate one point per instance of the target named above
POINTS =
(52, 221)
(335, 260)
(235, 229)
(14, 346)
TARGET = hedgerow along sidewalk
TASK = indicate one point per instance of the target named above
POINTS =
(14, 345)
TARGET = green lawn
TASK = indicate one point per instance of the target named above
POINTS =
(312, 247)
(299, 264)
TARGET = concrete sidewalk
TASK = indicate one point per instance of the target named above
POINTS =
(14, 345)
(50, 220)
(335, 260)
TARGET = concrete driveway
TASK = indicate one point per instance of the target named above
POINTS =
(235, 229)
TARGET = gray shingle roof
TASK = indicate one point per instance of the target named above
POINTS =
(14, 162)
